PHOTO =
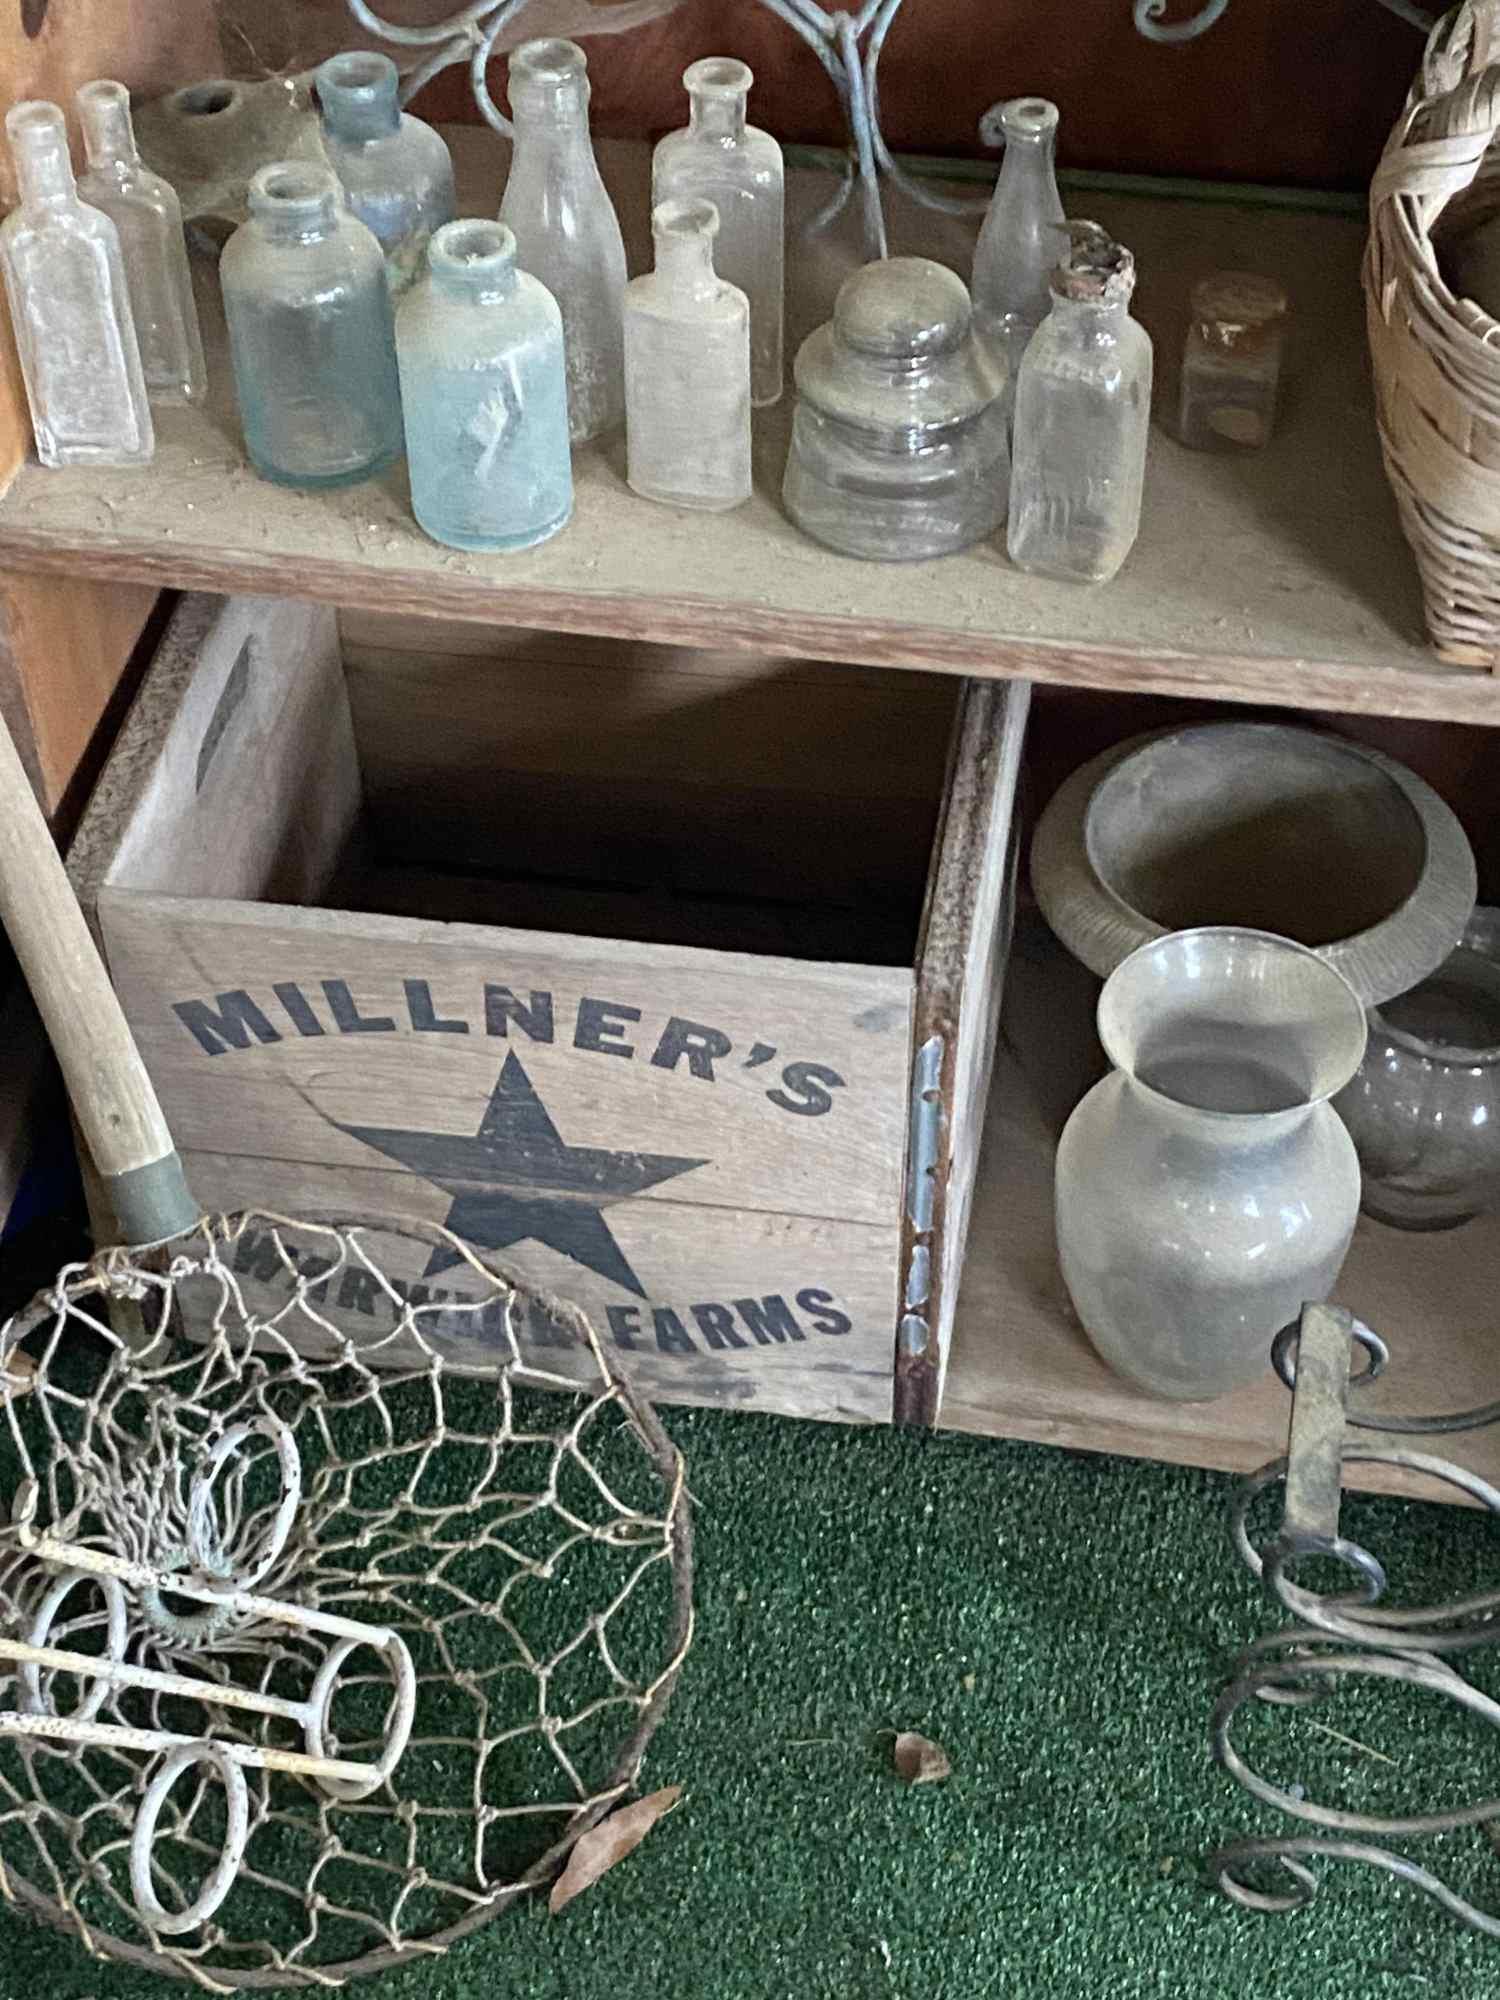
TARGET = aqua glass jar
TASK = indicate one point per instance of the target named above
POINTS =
(395, 170)
(310, 332)
(485, 391)
(899, 436)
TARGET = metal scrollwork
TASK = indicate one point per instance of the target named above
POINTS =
(1347, 1635)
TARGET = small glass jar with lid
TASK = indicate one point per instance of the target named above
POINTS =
(1231, 363)
(899, 446)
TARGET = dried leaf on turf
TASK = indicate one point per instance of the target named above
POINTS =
(920, 1761)
(608, 1842)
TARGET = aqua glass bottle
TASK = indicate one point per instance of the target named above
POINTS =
(1020, 241)
(717, 157)
(146, 211)
(395, 170)
(687, 369)
(310, 332)
(70, 307)
(566, 230)
(485, 394)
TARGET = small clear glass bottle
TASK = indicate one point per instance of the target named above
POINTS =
(899, 434)
(395, 170)
(566, 230)
(310, 332)
(1231, 362)
(70, 306)
(1020, 241)
(717, 157)
(687, 369)
(1083, 408)
(485, 395)
(146, 211)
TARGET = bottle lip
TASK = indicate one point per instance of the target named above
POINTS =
(1028, 117)
(685, 218)
(473, 249)
(548, 61)
(723, 77)
(35, 115)
(103, 91)
(294, 189)
(361, 76)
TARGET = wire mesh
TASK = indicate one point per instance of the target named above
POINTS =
(524, 1532)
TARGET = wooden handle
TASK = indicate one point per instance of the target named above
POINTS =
(113, 1097)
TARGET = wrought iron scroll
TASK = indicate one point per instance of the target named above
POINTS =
(1348, 1635)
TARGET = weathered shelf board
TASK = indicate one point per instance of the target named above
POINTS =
(1276, 577)
(1021, 1367)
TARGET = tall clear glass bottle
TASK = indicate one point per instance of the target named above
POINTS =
(395, 170)
(70, 306)
(719, 158)
(310, 332)
(1019, 242)
(1083, 407)
(566, 230)
(146, 211)
(485, 395)
(687, 369)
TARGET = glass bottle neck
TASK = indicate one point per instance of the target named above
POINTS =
(552, 114)
(473, 262)
(358, 93)
(293, 203)
(1090, 319)
(685, 263)
(39, 147)
(1213, 1131)
(108, 136)
(716, 114)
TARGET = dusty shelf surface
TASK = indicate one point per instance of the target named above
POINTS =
(1022, 1368)
(1277, 577)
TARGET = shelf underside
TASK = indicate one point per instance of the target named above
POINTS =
(1021, 1368)
(1276, 577)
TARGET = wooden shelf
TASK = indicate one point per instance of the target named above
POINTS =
(1021, 1368)
(1277, 577)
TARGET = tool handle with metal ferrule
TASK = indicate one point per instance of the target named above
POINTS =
(113, 1097)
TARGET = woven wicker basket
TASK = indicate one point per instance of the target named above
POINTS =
(1436, 357)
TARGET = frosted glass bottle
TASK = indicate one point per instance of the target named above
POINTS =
(687, 369)
(1020, 242)
(566, 230)
(485, 395)
(145, 210)
(310, 332)
(1083, 406)
(717, 157)
(395, 170)
(70, 307)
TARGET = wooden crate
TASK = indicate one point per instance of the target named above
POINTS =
(670, 977)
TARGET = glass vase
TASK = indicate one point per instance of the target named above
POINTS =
(310, 333)
(395, 170)
(566, 230)
(1424, 1110)
(70, 307)
(145, 210)
(485, 395)
(1083, 409)
(687, 369)
(717, 157)
(1207, 1189)
(1020, 240)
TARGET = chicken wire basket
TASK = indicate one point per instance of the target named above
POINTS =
(520, 1537)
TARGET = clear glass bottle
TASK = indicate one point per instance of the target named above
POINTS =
(1019, 242)
(485, 395)
(717, 157)
(310, 332)
(1424, 1110)
(1206, 1188)
(1231, 362)
(1083, 408)
(146, 211)
(566, 230)
(70, 306)
(687, 369)
(395, 170)
(899, 434)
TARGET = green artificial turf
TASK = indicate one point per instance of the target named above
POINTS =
(1061, 1623)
